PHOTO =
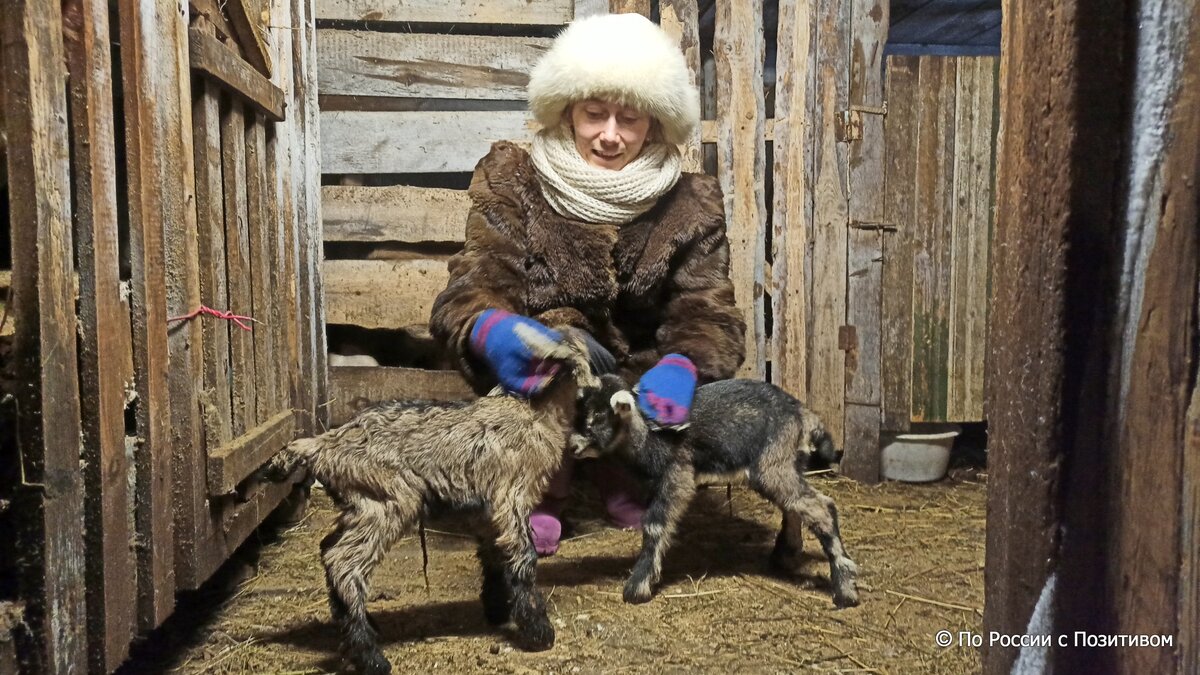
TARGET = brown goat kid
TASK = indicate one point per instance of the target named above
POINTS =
(393, 462)
(737, 426)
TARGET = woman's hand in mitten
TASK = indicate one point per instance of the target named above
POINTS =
(664, 394)
(516, 348)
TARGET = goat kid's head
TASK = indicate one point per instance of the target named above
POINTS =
(607, 414)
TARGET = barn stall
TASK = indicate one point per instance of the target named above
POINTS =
(876, 319)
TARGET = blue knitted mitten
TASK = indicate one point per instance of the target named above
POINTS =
(664, 394)
(515, 347)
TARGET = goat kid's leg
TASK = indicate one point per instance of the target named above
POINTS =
(820, 513)
(789, 545)
(671, 498)
(515, 544)
(364, 534)
(497, 589)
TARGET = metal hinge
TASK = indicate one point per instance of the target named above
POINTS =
(850, 121)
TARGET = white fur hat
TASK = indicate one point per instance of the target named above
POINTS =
(624, 58)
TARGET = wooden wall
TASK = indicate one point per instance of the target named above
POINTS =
(169, 174)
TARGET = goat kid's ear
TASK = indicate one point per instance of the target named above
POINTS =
(622, 403)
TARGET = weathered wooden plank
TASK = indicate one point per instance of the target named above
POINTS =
(111, 586)
(214, 290)
(792, 200)
(415, 142)
(44, 349)
(307, 174)
(237, 264)
(185, 340)
(543, 12)
(154, 144)
(739, 48)
(931, 260)
(868, 34)
(210, 11)
(209, 56)
(827, 362)
(900, 133)
(263, 296)
(352, 291)
(681, 20)
(238, 520)
(352, 387)
(246, 17)
(983, 178)
(232, 463)
(1189, 574)
(395, 213)
(371, 63)
(276, 255)
(629, 7)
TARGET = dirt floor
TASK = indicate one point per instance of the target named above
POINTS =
(920, 549)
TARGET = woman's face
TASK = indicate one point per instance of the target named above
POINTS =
(608, 135)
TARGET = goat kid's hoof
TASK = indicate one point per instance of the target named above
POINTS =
(372, 663)
(637, 593)
(847, 598)
(536, 638)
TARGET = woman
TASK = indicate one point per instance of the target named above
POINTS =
(597, 231)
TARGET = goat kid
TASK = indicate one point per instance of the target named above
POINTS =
(737, 426)
(393, 462)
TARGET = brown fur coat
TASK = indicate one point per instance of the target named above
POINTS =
(657, 285)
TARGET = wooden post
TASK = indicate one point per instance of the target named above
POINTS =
(792, 215)
(679, 18)
(103, 336)
(50, 498)
(827, 360)
(157, 201)
(868, 34)
(741, 150)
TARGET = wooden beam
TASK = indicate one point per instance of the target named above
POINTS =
(51, 499)
(827, 262)
(376, 64)
(355, 291)
(231, 464)
(352, 387)
(211, 57)
(679, 18)
(544, 12)
(395, 213)
(792, 209)
(246, 17)
(415, 142)
(103, 338)
(741, 165)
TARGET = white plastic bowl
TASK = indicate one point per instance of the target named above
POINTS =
(918, 457)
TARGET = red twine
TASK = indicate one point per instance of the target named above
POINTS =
(228, 316)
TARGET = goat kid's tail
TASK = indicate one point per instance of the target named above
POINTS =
(299, 452)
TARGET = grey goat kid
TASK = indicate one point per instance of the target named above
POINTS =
(491, 457)
(737, 426)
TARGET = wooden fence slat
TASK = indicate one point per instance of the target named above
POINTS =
(395, 213)
(900, 132)
(739, 48)
(983, 176)
(209, 56)
(352, 291)
(185, 340)
(415, 142)
(868, 33)
(827, 362)
(351, 387)
(262, 293)
(111, 585)
(245, 17)
(372, 63)
(237, 264)
(681, 20)
(930, 240)
(214, 290)
(543, 12)
(156, 199)
(44, 346)
(231, 464)
(792, 200)
(277, 253)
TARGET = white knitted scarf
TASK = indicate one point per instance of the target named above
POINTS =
(577, 189)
